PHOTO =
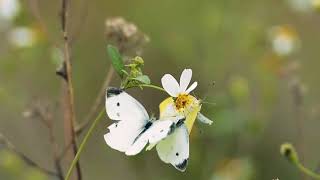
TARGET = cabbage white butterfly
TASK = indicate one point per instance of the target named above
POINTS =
(133, 129)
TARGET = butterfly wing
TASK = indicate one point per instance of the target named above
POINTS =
(174, 149)
(121, 106)
(131, 116)
(153, 133)
(121, 135)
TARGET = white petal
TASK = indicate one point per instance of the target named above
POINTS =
(170, 84)
(185, 79)
(192, 87)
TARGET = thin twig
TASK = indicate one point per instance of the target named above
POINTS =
(55, 155)
(7, 144)
(97, 102)
(64, 151)
(69, 113)
(54, 147)
(43, 113)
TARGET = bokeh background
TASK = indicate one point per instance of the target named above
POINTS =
(257, 64)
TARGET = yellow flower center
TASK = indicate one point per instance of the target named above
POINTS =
(182, 101)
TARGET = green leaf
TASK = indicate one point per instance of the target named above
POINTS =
(143, 79)
(116, 60)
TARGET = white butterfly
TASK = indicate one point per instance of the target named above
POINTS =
(134, 129)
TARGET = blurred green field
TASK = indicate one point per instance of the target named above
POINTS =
(256, 63)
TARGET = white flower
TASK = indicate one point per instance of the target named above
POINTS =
(181, 103)
(173, 88)
(22, 37)
(9, 9)
(284, 40)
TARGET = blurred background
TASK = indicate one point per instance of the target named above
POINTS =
(256, 62)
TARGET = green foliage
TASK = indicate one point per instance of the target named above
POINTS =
(135, 77)
(130, 74)
(144, 79)
(116, 60)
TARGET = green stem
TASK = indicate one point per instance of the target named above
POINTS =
(83, 143)
(307, 171)
(152, 86)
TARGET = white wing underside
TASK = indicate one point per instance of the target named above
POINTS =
(131, 116)
(131, 139)
(175, 148)
(124, 107)
(133, 130)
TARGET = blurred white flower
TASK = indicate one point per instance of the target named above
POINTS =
(300, 5)
(304, 6)
(9, 9)
(284, 40)
(22, 37)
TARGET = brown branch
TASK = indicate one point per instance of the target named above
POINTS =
(97, 102)
(69, 112)
(7, 144)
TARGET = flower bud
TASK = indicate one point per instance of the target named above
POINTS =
(289, 152)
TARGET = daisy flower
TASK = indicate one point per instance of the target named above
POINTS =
(284, 40)
(181, 102)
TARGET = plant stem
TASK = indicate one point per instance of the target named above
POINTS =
(307, 171)
(153, 86)
(83, 143)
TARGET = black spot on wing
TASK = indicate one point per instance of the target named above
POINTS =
(182, 166)
(112, 91)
